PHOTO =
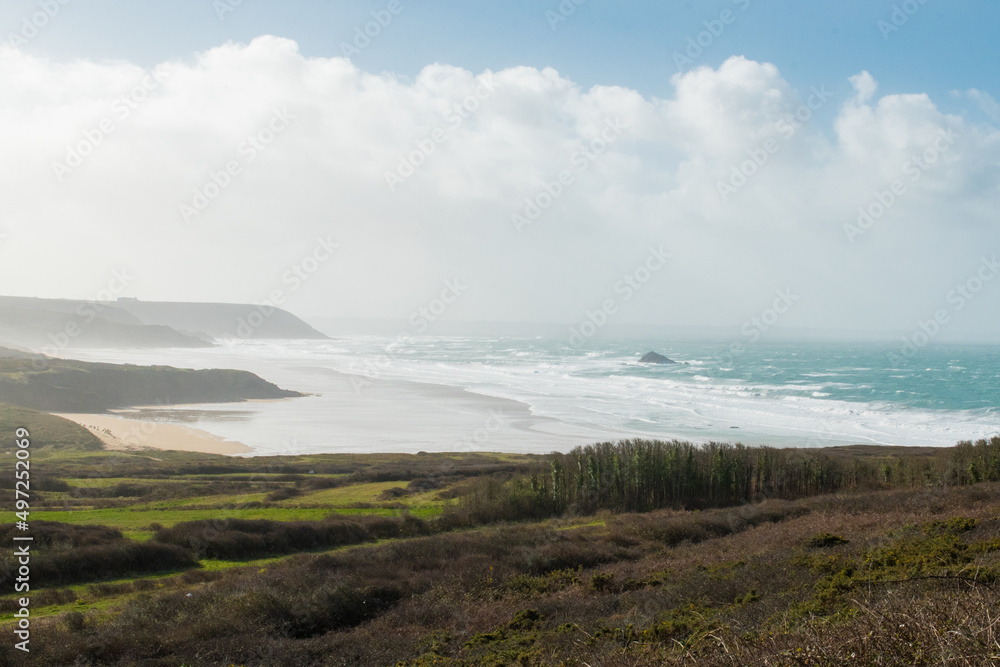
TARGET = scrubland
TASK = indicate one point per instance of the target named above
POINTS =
(629, 554)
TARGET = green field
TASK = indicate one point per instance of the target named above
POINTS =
(635, 553)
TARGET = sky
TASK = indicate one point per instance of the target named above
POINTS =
(829, 166)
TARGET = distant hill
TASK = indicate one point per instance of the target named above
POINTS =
(51, 325)
(54, 330)
(220, 320)
(75, 386)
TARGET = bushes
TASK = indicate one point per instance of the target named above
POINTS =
(283, 494)
(547, 584)
(123, 490)
(39, 599)
(328, 608)
(241, 538)
(825, 540)
(492, 499)
(490, 597)
(52, 534)
(104, 561)
(67, 554)
(602, 581)
(673, 529)
(394, 493)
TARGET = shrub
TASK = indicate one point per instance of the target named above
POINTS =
(825, 540)
(242, 538)
(54, 534)
(283, 494)
(527, 619)
(104, 561)
(602, 581)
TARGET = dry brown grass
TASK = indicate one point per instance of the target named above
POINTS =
(738, 586)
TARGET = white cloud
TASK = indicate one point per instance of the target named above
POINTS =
(864, 85)
(983, 100)
(325, 175)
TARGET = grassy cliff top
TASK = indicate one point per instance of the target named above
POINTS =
(48, 432)
(64, 385)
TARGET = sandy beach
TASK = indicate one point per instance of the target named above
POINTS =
(337, 415)
(387, 415)
(124, 434)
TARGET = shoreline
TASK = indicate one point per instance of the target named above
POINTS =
(120, 433)
(346, 413)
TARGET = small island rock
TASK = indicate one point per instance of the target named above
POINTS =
(654, 358)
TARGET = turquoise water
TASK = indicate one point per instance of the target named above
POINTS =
(767, 392)
(781, 394)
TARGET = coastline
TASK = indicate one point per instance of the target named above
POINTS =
(439, 411)
(120, 433)
(344, 413)
(396, 416)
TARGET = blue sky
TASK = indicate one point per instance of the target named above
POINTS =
(942, 47)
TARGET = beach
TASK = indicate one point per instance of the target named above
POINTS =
(386, 415)
(535, 395)
(120, 433)
(341, 413)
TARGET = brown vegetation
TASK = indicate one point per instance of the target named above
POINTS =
(889, 577)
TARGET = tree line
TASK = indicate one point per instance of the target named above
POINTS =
(642, 475)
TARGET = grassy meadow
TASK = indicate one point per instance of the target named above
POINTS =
(629, 554)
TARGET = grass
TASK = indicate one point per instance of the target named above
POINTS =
(105, 595)
(345, 495)
(51, 435)
(608, 592)
(131, 519)
(905, 576)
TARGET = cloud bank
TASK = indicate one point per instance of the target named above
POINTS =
(215, 179)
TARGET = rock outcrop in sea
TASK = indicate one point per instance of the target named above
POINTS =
(654, 358)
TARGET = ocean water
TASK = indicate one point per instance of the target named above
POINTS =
(784, 394)
(778, 392)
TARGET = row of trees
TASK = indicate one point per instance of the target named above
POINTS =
(642, 475)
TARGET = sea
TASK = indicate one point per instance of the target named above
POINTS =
(804, 394)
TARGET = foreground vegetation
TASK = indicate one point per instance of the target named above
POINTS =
(632, 554)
